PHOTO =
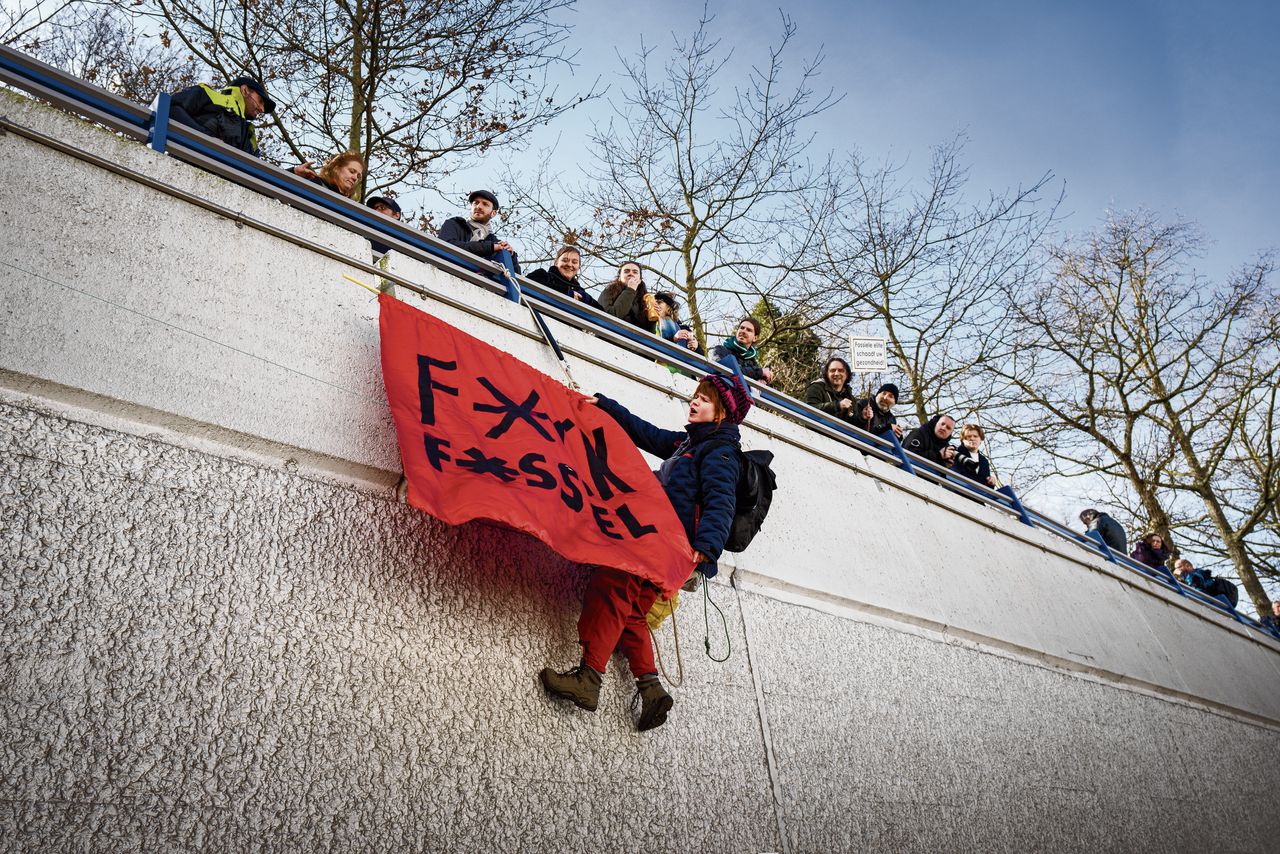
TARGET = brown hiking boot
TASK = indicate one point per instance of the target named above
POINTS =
(581, 685)
(655, 702)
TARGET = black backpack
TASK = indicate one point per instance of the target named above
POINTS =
(1219, 587)
(756, 483)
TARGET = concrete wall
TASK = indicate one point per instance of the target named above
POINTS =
(222, 631)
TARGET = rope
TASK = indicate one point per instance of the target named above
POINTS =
(679, 659)
(543, 329)
(706, 598)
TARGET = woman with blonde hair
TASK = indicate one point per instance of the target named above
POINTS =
(340, 173)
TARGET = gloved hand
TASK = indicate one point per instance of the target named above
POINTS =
(708, 569)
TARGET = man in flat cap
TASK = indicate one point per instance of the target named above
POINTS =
(474, 233)
(224, 113)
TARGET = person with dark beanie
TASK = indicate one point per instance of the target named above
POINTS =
(876, 416)
(700, 476)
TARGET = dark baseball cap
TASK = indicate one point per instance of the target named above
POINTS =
(268, 104)
(383, 200)
(483, 194)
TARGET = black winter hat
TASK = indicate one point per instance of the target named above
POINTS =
(889, 387)
(269, 105)
(483, 194)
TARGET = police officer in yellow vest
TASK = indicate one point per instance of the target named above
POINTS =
(224, 113)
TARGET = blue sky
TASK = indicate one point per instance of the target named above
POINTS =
(1167, 106)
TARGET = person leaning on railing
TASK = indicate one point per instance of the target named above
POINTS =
(627, 298)
(969, 461)
(1112, 532)
(224, 113)
(876, 416)
(832, 394)
(930, 440)
(562, 276)
(340, 173)
(1271, 622)
(741, 345)
(474, 234)
(1151, 551)
(669, 325)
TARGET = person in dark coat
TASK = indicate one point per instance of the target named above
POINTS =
(562, 276)
(1151, 550)
(930, 440)
(225, 113)
(876, 416)
(669, 325)
(475, 234)
(1271, 622)
(627, 298)
(700, 475)
(742, 346)
(969, 460)
(832, 394)
(1112, 531)
(386, 206)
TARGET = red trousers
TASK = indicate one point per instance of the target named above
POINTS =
(613, 612)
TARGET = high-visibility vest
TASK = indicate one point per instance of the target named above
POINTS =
(231, 99)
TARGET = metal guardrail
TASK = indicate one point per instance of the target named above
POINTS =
(189, 145)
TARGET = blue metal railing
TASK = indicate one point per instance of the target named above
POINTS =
(186, 143)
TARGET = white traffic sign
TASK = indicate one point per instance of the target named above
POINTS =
(868, 355)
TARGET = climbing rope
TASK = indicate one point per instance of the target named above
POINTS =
(675, 629)
(706, 618)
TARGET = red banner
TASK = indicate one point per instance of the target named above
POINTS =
(485, 436)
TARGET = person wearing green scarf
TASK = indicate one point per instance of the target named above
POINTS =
(742, 346)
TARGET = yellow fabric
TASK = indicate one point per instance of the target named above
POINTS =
(662, 608)
(231, 98)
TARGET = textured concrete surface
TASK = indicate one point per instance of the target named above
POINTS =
(221, 632)
(202, 654)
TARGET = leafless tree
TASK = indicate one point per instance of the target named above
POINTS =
(709, 189)
(410, 83)
(928, 267)
(23, 22)
(1127, 365)
(103, 45)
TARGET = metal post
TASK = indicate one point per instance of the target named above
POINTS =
(1095, 534)
(903, 460)
(1008, 492)
(504, 258)
(158, 127)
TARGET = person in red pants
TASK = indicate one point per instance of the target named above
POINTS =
(700, 476)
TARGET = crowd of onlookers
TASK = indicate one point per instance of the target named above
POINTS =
(227, 114)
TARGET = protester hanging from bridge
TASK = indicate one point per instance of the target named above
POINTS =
(876, 416)
(627, 298)
(224, 113)
(340, 173)
(1151, 551)
(969, 460)
(742, 347)
(832, 394)
(700, 475)
(562, 276)
(1112, 532)
(474, 234)
(930, 440)
(669, 325)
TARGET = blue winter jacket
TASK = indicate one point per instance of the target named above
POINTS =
(702, 483)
